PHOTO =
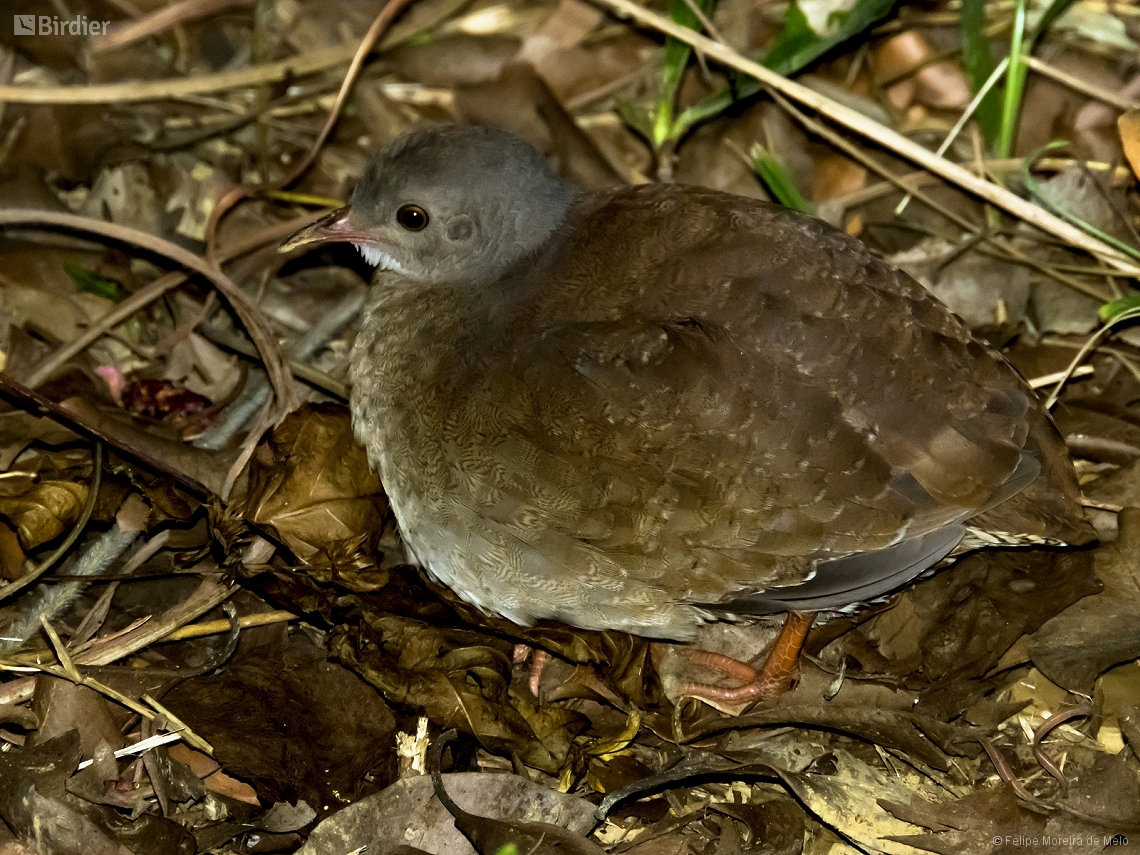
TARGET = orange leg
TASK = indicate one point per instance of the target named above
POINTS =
(538, 661)
(770, 681)
(537, 666)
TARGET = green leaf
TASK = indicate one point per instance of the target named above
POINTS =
(778, 180)
(713, 105)
(1117, 307)
(93, 283)
(677, 55)
(791, 53)
(636, 117)
(860, 18)
(1014, 83)
(797, 38)
(979, 63)
(509, 849)
(1056, 10)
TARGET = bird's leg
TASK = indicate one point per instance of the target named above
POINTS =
(538, 661)
(772, 679)
(537, 666)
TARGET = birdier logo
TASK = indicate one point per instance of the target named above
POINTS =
(50, 25)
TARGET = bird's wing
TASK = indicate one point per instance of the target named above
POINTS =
(733, 421)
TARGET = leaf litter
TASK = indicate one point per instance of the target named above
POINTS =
(926, 724)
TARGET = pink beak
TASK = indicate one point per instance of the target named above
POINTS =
(331, 228)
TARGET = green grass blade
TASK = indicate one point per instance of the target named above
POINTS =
(979, 63)
(1021, 44)
(713, 105)
(636, 116)
(1014, 84)
(93, 283)
(778, 180)
(677, 55)
(1056, 10)
(1115, 308)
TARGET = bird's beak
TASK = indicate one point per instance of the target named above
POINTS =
(331, 228)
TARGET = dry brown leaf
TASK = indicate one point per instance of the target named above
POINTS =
(1129, 125)
(224, 785)
(44, 512)
(312, 485)
(836, 175)
(202, 765)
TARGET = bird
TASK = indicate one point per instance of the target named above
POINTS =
(647, 408)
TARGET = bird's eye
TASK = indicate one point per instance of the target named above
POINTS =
(412, 217)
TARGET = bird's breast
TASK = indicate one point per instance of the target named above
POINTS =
(407, 366)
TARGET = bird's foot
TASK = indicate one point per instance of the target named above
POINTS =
(769, 681)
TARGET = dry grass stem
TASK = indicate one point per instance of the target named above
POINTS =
(217, 627)
(152, 90)
(105, 651)
(1007, 249)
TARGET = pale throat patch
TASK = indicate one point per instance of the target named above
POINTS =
(379, 258)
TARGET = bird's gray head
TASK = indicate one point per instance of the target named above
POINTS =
(449, 205)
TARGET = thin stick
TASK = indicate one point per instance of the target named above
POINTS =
(1008, 164)
(380, 25)
(155, 22)
(154, 90)
(879, 134)
(135, 638)
(1087, 348)
(1057, 376)
(1109, 97)
(216, 627)
(181, 727)
(1008, 250)
(80, 425)
(709, 26)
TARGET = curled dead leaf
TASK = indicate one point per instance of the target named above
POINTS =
(311, 484)
(45, 512)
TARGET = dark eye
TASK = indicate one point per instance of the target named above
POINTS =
(412, 217)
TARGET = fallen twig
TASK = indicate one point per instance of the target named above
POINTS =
(152, 90)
